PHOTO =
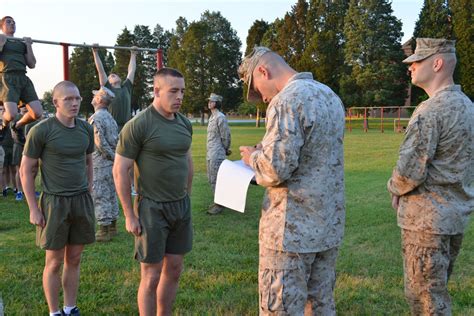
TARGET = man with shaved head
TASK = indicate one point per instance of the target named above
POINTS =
(64, 215)
(431, 185)
(157, 143)
(300, 161)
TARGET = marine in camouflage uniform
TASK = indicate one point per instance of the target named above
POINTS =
(218, 145)
(431, 185)
(300, 162)
(105, 139)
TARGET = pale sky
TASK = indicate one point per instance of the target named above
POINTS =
(100, 21)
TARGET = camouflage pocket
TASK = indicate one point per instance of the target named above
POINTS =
(276, 282)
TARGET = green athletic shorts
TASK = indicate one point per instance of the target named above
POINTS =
(17, 154)
(166, 229)
(8, 157)
(16, 86)
(69, 221)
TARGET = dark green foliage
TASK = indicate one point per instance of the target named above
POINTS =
(373, 55)
(255, 35)
(207, 52)
(122, 57)
(463, 27)
(84, 75)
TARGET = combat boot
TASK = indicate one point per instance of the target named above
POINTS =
(113, 229)
(215, 209)
(103, 234)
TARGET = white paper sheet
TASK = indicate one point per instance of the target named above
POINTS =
(233, 180)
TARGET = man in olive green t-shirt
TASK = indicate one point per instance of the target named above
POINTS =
(65, 215)
(15, 56)
(157, 142)
(121, 106)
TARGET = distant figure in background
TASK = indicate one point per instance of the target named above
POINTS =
(103, 190)
(432, 184)
(14, 84)
(64, 215)
(9, 170)
(121, 106)
(218, 145)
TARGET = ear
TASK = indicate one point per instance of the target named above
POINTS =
(156, 92)
(438, 64)
(263, 71)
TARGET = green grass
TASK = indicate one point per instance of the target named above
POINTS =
(220, 275)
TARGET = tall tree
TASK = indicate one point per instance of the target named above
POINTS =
(373, 54)
(162, 40)
(324, 54)
(84, 75)
(122, 57)
(47, 101)
(255, 35)
(208, 54)
(463, 27)
(434, 21)
(146, 66)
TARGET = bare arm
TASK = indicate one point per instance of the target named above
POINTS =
(132, 65)
(27, 176)
(29, 56)
(100, 68)
(121, 171)
(90, 171)
(190, 173)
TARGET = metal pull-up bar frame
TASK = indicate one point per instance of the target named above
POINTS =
(158, 51)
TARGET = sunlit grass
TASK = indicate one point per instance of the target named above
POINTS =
(220, 275)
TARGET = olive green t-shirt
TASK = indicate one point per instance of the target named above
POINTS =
(12, 57)
(121, 106)
(62, 155)
(159, 147)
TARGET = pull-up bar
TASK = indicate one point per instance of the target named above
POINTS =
(159, 51)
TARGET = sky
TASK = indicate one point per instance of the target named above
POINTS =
(100, 21)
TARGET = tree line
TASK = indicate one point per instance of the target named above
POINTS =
(353, 46)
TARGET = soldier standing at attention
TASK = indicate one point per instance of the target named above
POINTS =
(431, 185)
(64, 216)
(103, 189)
(218, 145)
(300, 161)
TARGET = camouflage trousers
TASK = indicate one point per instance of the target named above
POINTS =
(212, 169)
(297, 283)
(104, 196)
(428, 261)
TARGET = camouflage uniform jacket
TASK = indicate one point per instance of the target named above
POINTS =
(218, 137)
(435, 171)
(105, 138)
(302, 166)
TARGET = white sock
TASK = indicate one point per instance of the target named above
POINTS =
(68, 309)
(55, 313)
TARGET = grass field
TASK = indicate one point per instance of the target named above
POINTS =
(220, 275)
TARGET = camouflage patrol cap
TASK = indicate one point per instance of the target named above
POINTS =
(426, 47)
(247, 67)
(215, 97)
(104, 92)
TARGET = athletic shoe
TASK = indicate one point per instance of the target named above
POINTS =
(19, 196)
(5, 192)
(74, 311)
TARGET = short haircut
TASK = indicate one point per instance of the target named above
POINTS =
(4, 18)
(62, 85)
(165, 72)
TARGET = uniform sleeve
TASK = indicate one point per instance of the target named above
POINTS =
(130, 140)
(416, 153)
(101, 143)
(91, 147)
(35, 142)
(224, 132)
(281, 147)
(128, 85)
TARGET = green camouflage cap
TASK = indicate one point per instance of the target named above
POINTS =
(104, 92)
(215, 97)
(246, 69)
(426, 47)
